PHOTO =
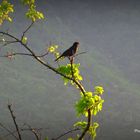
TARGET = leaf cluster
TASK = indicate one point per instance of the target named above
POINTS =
(28, 2)
(5, 9)
(92, 128)
(32, 13)
(53, 49)
(68, 70)
(91, 101)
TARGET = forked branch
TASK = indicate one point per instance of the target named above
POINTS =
(14, 121)
(32, 53)
(9, 131)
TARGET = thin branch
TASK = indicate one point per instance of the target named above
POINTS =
(27, 30)
(9, 42)
(7, 34)
(27, 54)
(34, 131)
(80, 53)
(13, 54)
(87, 127)
(42, 55)
(14, 121)
(24, 129)
(71, 62)
(36, 57)
(66, 133)
(9, 131)
(81, 88)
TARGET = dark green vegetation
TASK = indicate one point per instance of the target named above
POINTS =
(110, 35)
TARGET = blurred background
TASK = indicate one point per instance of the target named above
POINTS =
(109, 31)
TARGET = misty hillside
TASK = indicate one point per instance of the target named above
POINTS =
(109, 32)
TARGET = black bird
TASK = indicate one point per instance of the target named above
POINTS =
(69, 52)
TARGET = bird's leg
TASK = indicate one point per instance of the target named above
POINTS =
(71, 62)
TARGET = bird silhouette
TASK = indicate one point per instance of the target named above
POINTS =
(69, 52)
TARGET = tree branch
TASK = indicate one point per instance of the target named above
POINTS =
(9, 35)
(64, 134)
(9, 131)
(80, 53)
(34, 131)
(14, 121)
(81, 88)
(7, 43)
(36, 57)
(27, 54)
(23, 129)
(27, 30)
(87, 127)
(71, 62)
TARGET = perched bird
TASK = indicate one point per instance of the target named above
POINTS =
(70, 52)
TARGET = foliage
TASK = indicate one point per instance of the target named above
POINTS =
(98, 90)
(53, 49)
(68, 70)
(28, 2)
(80, 124)
(5, 9)
(32, 13)
(92, 130)
(89, 101)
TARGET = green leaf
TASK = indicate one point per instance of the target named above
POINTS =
(85, 103)
(33, 14)
(67, 70)
(92, 130)
(28, 2)
(5, 9)
(98, 90)
(24, 40)
(89, 101)
(82, 124)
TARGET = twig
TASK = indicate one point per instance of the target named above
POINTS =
(71, 62)
(9, 131)
(24, 129)
(9, 42)
(27, 54)
(34, 131)
(87, 127)
(80, 53)
(27, 30)
(9, 35)
(64, 134)
(14, 121)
